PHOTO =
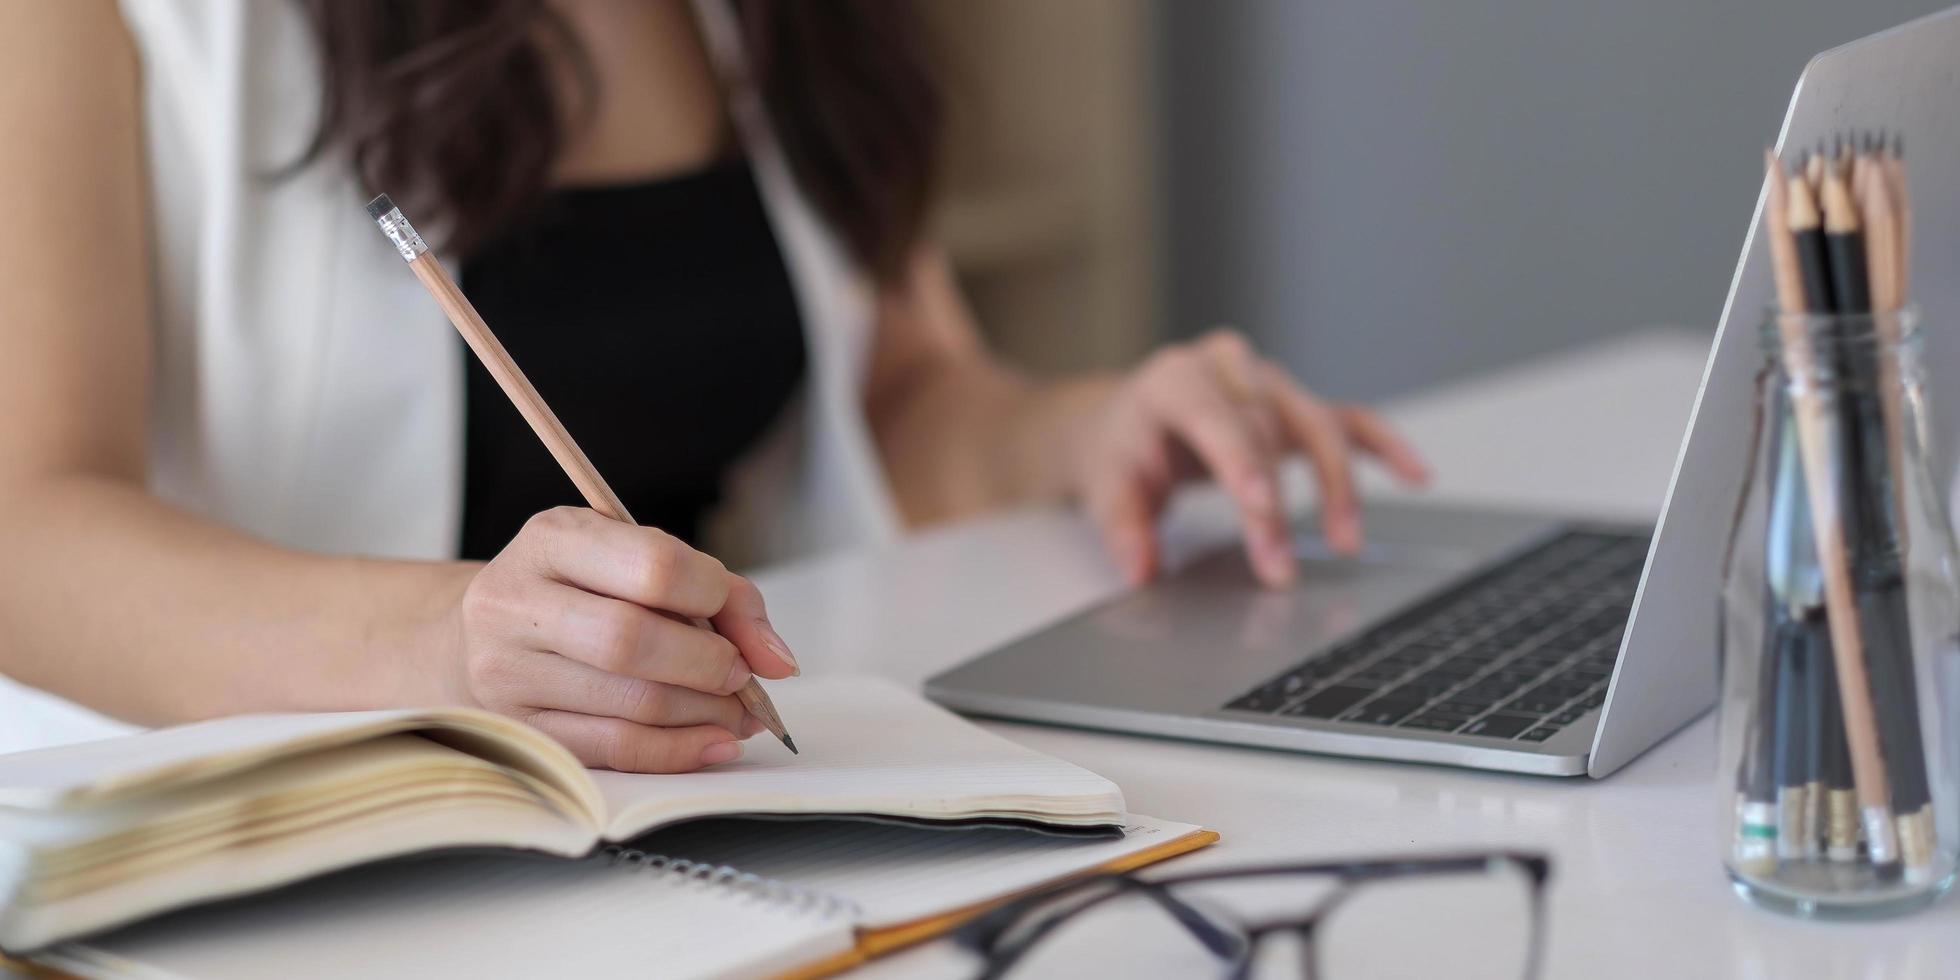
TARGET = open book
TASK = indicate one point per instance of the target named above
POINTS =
(105, 833)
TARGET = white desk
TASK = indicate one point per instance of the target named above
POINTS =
(1638, 889)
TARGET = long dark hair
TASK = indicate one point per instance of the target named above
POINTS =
(448, 106)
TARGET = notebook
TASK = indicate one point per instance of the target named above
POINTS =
(106, 833)
(724, 898)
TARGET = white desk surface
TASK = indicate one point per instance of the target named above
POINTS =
(1637, 887)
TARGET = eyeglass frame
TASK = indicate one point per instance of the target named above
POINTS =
(982, 934)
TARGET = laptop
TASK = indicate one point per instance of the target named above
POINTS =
(1490, 640)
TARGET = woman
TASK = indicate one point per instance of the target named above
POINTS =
(244, 466)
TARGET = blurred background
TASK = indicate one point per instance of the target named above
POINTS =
(1386, 193)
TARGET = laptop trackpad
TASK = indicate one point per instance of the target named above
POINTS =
(1210, 633)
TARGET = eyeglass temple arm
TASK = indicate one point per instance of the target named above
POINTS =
(983, 934)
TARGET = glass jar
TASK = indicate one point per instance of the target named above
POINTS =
(1840, 633)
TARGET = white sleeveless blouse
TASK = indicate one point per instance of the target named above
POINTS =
(308, 391)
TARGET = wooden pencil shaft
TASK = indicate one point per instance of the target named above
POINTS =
(1881, 241)
(1895, 173)
(597, 493)
(543, 421)
(1782, 249)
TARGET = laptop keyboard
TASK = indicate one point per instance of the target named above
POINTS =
(1518, 652)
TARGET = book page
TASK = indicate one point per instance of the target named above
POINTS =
(90, 773)
(897, 874)
(69, 872)
(475, 916)
(869, 746)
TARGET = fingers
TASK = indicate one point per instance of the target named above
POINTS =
(641, 565)
(1324, 439)
(1216, 405)
(556, 683)
(1188, 395)
(630, 641)
(615, 743)
(1236, 363)
(1125, 507)
(1373, 433)
(745, 623)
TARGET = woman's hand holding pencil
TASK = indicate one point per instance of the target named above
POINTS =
(584, 627)
(622, 642)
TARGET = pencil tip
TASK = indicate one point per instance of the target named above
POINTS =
(790, 744)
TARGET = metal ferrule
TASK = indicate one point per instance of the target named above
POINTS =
(1881, 839)
(402, 234)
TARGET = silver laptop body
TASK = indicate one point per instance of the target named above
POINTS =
(1206, 654)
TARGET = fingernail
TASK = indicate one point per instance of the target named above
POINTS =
(751, 725)
(738, 675)
(774, 641)
(721, 752)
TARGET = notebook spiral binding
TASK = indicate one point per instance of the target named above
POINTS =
(772, 891)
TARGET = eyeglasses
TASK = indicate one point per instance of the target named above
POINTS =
(1463, 916)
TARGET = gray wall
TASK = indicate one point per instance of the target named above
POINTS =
(1389, 193)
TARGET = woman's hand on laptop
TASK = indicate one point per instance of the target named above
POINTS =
(585, 628)
(1213, 406)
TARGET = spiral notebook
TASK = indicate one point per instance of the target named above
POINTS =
(722, 898)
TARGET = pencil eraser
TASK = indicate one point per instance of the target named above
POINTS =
(380, 206)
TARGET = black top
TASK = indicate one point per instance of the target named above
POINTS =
(658, 321)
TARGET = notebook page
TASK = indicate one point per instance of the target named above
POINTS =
(869, 746)
(899, 874)
(475, 915)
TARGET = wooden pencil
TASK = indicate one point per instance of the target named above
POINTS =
(593, 487)
(1784, 270)
(1894, 170)
(1884, 245)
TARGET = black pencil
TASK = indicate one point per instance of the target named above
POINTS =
(1813, 263)
(1791, 756)
(1840, 828)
